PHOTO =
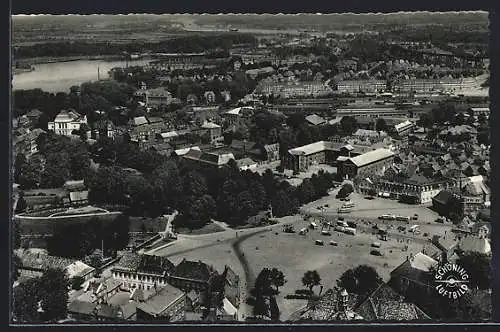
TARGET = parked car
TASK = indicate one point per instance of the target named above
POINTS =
(325, 233)
(352, 224)
(333, 243)
(376, 253)
(319, 243)
(340, 229)
(415, 217)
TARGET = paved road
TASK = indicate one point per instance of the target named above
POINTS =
(233, 238)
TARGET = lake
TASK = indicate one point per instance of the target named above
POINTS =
(60, 76)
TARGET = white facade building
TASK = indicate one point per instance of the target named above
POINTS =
(67, 121)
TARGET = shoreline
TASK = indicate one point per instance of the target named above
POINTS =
(45, 60)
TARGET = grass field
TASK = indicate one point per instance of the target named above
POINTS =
(207, 229)
(47, 225)
(295, 254)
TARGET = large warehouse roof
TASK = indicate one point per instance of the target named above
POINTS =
(371, 156)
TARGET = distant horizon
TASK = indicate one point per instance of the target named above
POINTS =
(268, 14)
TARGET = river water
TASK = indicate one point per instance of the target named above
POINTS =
(60, 76)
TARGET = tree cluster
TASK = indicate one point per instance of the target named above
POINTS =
(85, 99)
(266, 288)
(361, 280)
(183, 44)
(77, 240)
(42, 299)
(59, 159)
(228, 194)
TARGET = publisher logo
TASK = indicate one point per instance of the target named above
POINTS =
(451, 281)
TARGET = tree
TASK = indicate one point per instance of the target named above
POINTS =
(261, 307)
(263, 284)
(200, 211)
(380, 125)
(25, 301)
(345, 191)
(107, 185)
(168, 181)
(139, 191)
(16, 264)
(274, 309)
(57, 170)
(478, 268)
(348, 124)
(21, 203)
(277, 278)
(76, 282)
(19, 162)
(282, 204)
(54, 294)
(16, 242)
(361, 280)
(120, 227)
(30, 174)
(311, 279)
(194, 184)
(95, 259)
(79, 162)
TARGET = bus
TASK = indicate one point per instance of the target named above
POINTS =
(344, 210)
(342, 224)
(350, 230)
(339, 229)
(415, 229)
(348, 205)
(387, 217)
(403, 218)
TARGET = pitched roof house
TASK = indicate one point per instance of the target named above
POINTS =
(385, 304)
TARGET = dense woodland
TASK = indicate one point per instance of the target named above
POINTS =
(182, 44)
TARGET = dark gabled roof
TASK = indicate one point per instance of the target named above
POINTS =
(145, 264)
(159, 301)
(315, 119)
(44, 262)
(271, 147)
(81, 307)
(231, 277)
(443, 197)
(212, 158)
(108, 311)
(326, 308)
(128, 310)
(407, 271)
(242, 145)
(155, 265)
(129, 261)
(34, 112)
(193, 270)
(155, 119)
(385, 304)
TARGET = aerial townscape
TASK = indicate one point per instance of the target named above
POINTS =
(250, 168)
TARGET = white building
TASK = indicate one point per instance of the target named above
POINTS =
(67, 121)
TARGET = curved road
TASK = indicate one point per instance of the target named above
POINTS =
(188, 243)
